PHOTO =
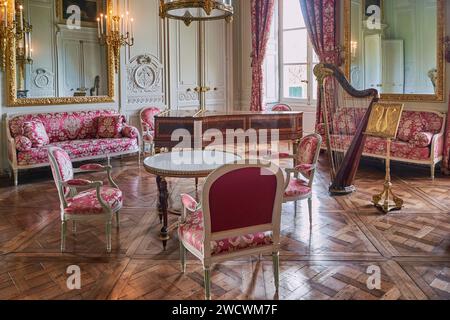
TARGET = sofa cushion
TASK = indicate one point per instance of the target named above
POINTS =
(35, 131)
(110, 126)
(422, 139)
(62, 126)
(79, 149)
(191, 232)
(86, 202)
(410, 124)
(23, 143)
(377, 146)
(130, 132)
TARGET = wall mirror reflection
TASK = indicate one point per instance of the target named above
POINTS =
(396, 47)
(59, 58)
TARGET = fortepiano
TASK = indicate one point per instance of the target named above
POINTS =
(289, 124)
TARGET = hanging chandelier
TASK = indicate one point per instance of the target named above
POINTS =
(196, 10)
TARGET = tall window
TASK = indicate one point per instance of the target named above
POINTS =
(296, 56)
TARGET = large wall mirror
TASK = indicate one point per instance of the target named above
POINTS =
(59, 61)
(396, 47)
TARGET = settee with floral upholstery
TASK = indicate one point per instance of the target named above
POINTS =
(84, 135)
(420, 138)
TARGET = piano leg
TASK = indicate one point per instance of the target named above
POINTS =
(163, 206)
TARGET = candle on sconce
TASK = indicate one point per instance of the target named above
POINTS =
(122, 25)
(6, 13)
(101, 23)
(98, 28)
(21, 17)
(127, 21)
(131, 28)
(106, 24)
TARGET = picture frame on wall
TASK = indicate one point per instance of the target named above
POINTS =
(90, 10)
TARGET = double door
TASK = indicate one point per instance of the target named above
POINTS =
(199, 65)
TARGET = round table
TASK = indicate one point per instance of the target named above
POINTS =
(182, 164)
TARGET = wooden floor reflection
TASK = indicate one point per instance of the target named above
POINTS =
(327, 261)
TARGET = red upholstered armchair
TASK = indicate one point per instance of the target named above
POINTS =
(96, 202)
(239, 215)
(300, 187)
(147, 117)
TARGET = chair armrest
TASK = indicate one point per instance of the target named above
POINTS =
(12, 151)
(437, 146)
(91, 167)
(189, 205)
(81, 183)
(95, 167)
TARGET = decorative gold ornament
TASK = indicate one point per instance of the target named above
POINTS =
(196, 10)
(116, 31)
(384, 121)
(11, 71)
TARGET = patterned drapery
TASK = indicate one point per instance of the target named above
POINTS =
(446, 161)
(321, 21)
(262, 13)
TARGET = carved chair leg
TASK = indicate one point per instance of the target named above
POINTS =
(276, 269)
(63, 235)
(109, 160)
(16, 177)
(310, 210)
(183, 257)
(433, 171)
(108, 236)
(74, 226)
(207, 283)
(118, 219)
(295, 208)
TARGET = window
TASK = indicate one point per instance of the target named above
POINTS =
(296, 57)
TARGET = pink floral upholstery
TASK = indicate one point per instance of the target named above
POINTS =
(35, 131)
(189, 202)
(130, 132)
(307, 150)
(87, 202)
(192, 233)
(63, 165)
(377, 146)
(79, 149)
(78, 182)
(416, 133)
(110, 126)
(62, 126)
(422, 139)
(148, 123)
(92, 167)
(411, 124)
(297, 188)
(23, 143)
(281, 108)
(305, 167)
(148, 118)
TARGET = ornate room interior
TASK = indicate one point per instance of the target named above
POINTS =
(308, 141)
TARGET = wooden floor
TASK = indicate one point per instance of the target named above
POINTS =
(328, 261)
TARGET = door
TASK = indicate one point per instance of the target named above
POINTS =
(373, 62)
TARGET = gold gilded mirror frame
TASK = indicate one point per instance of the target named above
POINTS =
(440, 83)
(11, 78)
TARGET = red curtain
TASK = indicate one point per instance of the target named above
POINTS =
(446, 161)
(321, 21)
(262, 13)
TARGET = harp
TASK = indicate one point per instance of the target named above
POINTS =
(345, 114)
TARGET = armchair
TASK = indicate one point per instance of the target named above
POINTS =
(96, 202)
(147, 119)
(296, 188)
(239, 215)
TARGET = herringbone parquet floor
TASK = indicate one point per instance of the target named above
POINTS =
(328, 261)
